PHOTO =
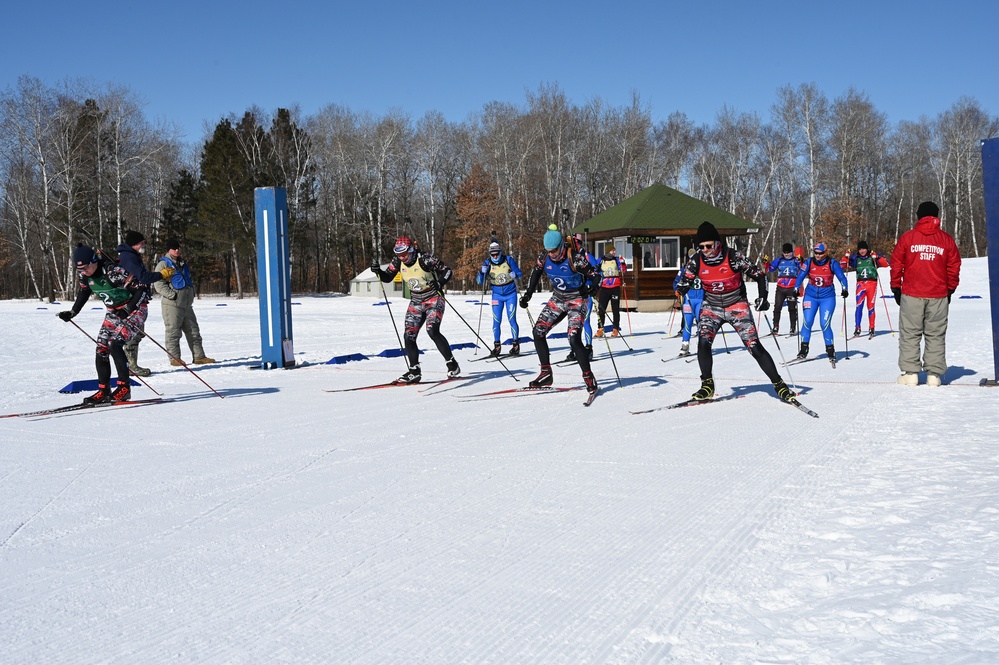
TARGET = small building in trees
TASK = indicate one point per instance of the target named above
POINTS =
(653, 232)
(367, 285)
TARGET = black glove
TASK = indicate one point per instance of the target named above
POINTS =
(762, 304)
(67, 315)
(844, 293)
(897, 292)
(525, 300)
(949, 294)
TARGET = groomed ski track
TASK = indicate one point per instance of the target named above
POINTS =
(399, 527)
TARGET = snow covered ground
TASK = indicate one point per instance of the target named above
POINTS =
(285, 524)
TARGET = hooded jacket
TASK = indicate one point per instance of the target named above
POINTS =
(926, 262)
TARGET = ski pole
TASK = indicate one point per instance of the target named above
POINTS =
(627, 311)
(478, 326)
(182, 363)
(394, 328)
(458, 314)
(672, 315)
(130, 372)
(846, 337)
(887, 315)
(724, 338)
(781, 352)
(611, 354)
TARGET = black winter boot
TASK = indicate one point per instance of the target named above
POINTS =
(803, 352)
(452, 367)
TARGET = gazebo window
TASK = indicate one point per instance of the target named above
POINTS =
(661, 253)
(623, 247)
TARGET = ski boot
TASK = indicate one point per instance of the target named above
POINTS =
(122, 392)
(774, 331)
(515, 349)
(831, 352)
(590, 381)
(856, 331)
(616, 332)
(452, 368)
(706, 391)
(794, 329)
(497, 349)
(571, 358)
(803, 351)
(783, 391)
(684, 349)
(544, 379)
(100, 397)
(599, 332)
(412, 376)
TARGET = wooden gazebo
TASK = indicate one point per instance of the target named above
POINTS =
(653, 232)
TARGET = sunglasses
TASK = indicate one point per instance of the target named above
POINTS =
(707, 245)
(818, 253)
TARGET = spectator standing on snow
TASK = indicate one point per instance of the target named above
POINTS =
(177, 304)
(129, 258)
(925, 272)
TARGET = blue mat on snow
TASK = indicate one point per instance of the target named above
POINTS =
(88, 385)
(340, 360)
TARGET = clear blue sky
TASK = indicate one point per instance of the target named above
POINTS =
(196, 62)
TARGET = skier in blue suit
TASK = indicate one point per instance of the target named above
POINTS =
(502, 274)
(692, 301)
(820, 297)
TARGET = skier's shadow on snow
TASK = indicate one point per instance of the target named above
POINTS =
(224, 392)
(766, 389)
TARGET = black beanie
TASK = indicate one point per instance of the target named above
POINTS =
(133, 238)
(83, 256)
(173, 243)
(927, 209)
(707, 231)
(787, 248)
(863, 245)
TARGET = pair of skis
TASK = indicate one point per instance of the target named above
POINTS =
(527, 390)
(426, 385)
(698, 402)
(83, 406)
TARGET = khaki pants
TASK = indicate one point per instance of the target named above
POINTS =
(179, 319)
(922, 322)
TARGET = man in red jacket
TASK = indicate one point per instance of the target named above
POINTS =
(925, 272)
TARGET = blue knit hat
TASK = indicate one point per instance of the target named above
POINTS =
(83, 256)
(821, 247)
(553, 239)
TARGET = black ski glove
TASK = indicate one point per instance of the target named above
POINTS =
(762, 304)
(844, 293)
(525, 300)
(949, 294)
(67, 315)
(897, 292)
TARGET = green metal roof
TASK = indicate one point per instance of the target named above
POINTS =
(663, 209)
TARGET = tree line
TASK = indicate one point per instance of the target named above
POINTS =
(81, 163)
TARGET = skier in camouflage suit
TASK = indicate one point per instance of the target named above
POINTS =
(126, 300)
(426, 275)
(720, 271)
